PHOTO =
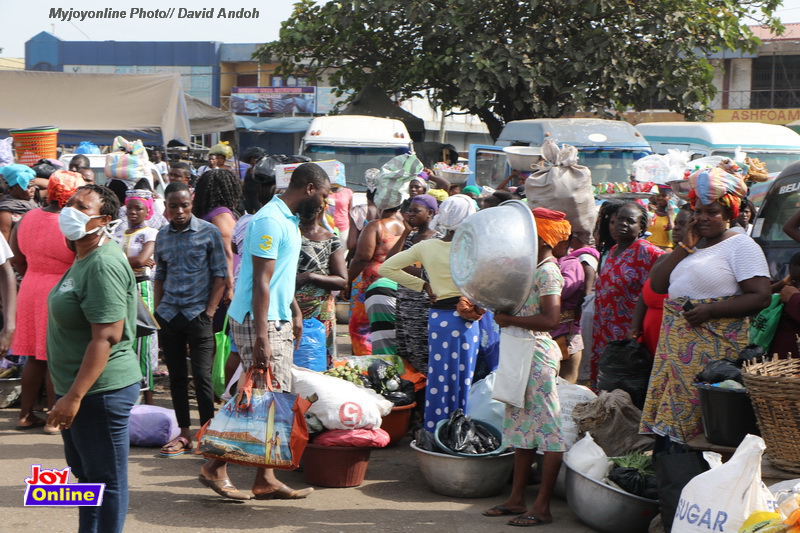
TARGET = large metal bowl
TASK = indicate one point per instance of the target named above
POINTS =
(494, 255)
(606, 508)
(465, 477)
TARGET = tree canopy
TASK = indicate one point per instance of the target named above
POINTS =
(506, 60)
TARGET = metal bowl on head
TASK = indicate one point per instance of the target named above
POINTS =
(494, 255)
(524, 158)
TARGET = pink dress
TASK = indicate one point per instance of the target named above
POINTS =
(48, 258)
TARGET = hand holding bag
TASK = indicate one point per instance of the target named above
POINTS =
(259, 427)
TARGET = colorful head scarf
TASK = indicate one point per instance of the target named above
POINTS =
(439, 194)
(18, 175)
(552, 226)
(427, 201)
(143, 195)
(715, 185)
(454, 211)
(62, 184)
(371, 178)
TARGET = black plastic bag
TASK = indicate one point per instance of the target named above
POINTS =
(461, 434)
(625, 365)
(751, 352)
(403, 396)
(719, 371)
(650, 488)
(630, 480)
(424, 441)
(674, 469)
(264, 169)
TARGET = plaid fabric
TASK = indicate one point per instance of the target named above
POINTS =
(281, 340)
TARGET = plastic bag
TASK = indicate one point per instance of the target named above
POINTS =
(719, 371)
(222, 148)
(751, 352)
(513, 370)
(625, 365)
(461, 434)
(765, 324)
(614, 423)
(313, 350)
(127, 161)
(722, 498)
(589, 459)
(424, 440)
(360, 438)
(87, 147)
(631, 480)
(264, 169)
(341, 404)
(481, 406)
(393, 180)
(151, 425)
(223, 351)
(6, 151)
(674, 469)
(569, 396)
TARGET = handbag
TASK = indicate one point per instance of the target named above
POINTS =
(514, 369)
(260, 426)
(765, 324)
(145, 321)
(223, 351)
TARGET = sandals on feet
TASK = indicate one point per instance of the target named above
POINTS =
(223, 487)
(528, 521)
(284, 493)
(171, 448)
(501, 510)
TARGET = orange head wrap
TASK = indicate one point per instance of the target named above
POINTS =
(62, 185)
(552, 226)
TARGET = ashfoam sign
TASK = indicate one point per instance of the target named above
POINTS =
(51, 488)
(334, 169)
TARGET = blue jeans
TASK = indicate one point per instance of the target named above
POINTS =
(96, 447)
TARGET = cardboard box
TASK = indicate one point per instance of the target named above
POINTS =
(334, 169)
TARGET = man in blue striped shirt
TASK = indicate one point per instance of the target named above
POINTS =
(190, 277)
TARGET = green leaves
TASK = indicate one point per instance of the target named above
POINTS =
(510, 59)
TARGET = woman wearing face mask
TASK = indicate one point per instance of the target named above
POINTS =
(716, 278)
(41, 257)
(90, 332)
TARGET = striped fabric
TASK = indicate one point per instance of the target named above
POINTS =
(380, 304)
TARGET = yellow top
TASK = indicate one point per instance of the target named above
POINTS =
(659, 235)
(434, 255)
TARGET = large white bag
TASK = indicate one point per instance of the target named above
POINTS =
(722, 498)
(513, 368)
(481, 406)
(341, 404)
(569, 396)
(588, 458)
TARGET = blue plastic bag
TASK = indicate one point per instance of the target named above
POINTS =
(312, 353)
(86, 147)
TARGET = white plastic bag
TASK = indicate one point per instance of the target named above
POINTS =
(513, 368)
(480, 404)
(569, 396)
(341, 404)
(588, 458)
(722, 498)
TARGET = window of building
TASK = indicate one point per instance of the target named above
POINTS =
(775, 82)
(247, 80)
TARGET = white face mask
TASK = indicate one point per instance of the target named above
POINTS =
(72, 224)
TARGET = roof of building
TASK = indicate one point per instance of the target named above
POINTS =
(792, 33)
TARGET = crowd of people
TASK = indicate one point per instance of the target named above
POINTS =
(220, 246)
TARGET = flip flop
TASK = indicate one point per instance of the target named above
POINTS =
(223, 487)
(37, 424)
(528, 521)
(186, 446)
(284, 493)
(501, 510)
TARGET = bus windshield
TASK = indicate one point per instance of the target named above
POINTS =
(775, 161)
(356, 160)
(610, 165)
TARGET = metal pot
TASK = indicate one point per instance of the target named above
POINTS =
(465, 477)
(494, 255)
(606, 508)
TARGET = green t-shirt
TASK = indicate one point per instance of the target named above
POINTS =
(98, 289)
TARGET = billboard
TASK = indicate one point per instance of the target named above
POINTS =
(273, 100)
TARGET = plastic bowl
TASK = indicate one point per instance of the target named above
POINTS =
(524, 158)
(493, 430)
(455, 178)
(608, 509)
(464, 477)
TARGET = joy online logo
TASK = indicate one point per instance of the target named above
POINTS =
(52, 488)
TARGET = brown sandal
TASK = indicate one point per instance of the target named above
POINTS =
(285, 493)
(223, 487)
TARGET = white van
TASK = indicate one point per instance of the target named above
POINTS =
(776, 146)
(360, 142)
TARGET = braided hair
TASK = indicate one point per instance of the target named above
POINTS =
(218, 187)
(645, 217)
(607, 210)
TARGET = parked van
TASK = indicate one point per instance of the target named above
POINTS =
(780, 203)
(360, 142)
(607, 147)
(776, 146)
(97, 163)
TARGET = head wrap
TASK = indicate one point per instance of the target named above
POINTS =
(715, 185)
(18, 175)
(471, 189)
(427, 201)
(143, 195)
(371, 178)
(552, 226)
(439, 194)
(421, 181)
(62, 185)
(454, 211)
